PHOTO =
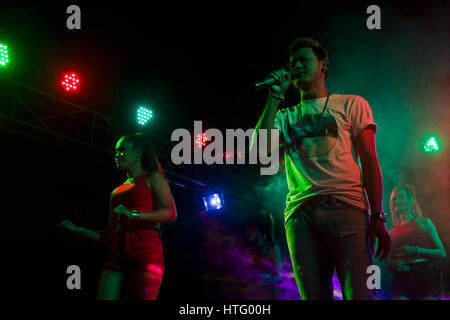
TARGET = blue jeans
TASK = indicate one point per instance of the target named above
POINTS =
(326, 233)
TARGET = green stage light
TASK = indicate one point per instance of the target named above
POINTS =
(4, 58)
(431, 145)
(144, 115)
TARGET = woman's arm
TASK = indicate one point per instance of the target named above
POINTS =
(419, 252)
(439, 251)
(100, 236)
(167, 210)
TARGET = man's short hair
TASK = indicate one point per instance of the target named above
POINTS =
(306, 42)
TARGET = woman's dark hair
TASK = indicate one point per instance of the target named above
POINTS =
(149, 158)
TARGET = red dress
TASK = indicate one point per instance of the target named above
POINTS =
(135, 248)
(422, 280)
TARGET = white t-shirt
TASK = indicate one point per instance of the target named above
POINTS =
(320, 157)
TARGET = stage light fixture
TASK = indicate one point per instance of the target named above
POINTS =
(201, 140)
(70, 82)
(144, 115)
(213, 201)
(431, 144)
(4, 57)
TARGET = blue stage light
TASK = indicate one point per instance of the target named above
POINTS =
(213, 202)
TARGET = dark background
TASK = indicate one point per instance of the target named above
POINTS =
(198, 62)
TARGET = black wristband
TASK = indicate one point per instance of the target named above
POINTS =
(379, 215)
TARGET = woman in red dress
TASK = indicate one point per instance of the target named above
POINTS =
(135, 267)
(415, 247)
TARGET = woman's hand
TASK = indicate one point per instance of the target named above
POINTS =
(405, 251)
(67, 225)
(123, 214)
(400, 265)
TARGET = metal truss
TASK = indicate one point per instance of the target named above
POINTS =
(39, 116)
(63, 124)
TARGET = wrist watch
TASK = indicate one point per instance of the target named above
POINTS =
(379, 215)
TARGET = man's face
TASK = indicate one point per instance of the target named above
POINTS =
(126, 156)
(310, 68)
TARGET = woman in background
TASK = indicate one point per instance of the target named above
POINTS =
(135, 267)
(415, 244)
(266, 260)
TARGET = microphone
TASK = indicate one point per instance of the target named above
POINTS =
(271, 81)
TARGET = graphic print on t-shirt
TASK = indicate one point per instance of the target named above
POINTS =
(311, 136)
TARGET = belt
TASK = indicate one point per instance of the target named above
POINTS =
(321, 199)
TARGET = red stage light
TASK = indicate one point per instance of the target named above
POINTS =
(70, 82)
(201, 140)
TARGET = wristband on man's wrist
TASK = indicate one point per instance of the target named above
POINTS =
(379, 215)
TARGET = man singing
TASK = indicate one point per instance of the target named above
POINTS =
(327, 207)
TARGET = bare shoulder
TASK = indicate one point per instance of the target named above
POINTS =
(425, 223)
(114, 192)
(428, 223)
